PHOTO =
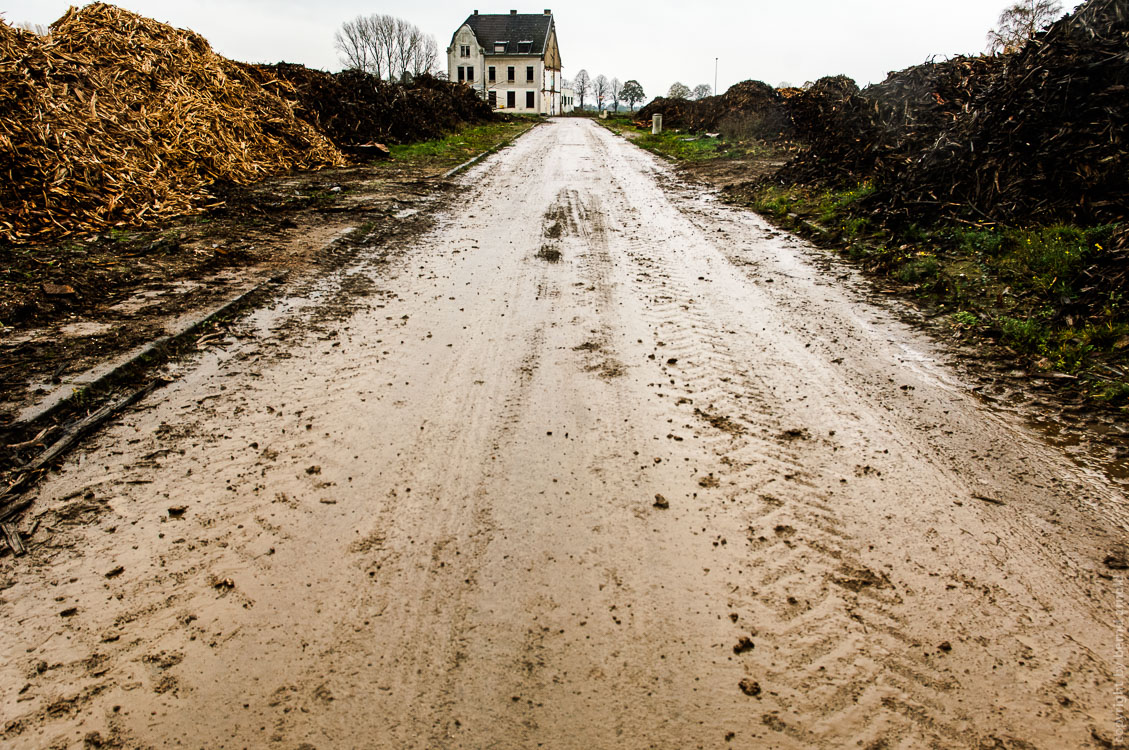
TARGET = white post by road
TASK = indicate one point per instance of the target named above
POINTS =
(656, 124)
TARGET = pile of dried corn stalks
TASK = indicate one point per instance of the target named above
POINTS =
(114, 119)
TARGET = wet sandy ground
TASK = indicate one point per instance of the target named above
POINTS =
(598, 462)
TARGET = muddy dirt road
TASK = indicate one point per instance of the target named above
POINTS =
(596, 463)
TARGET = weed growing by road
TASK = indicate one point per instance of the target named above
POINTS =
(1030, 289)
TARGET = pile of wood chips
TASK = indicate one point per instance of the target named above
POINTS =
(117, 120)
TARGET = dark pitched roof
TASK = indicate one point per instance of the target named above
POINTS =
(512, 29)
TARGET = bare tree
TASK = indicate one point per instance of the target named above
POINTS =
(678, 90)
(35, 28)
(701, 91)
(386, 46)
(582, 84)
(425, 59)
(356, 41)
(615, 91)
(1021, 22)
(633, 92)
(600, 90)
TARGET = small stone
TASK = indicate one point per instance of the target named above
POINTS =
(661, 502)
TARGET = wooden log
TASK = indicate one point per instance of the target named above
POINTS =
(71, 435)
(12, 536)
(77, 431)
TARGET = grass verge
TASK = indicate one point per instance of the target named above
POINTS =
(448, 152)
(1030, 293)
(683, 146)
(1035, 291)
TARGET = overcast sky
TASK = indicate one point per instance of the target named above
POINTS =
(656, 43)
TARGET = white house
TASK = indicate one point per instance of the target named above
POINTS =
(511, 59)
(568, 99)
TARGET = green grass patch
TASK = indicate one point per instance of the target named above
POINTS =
(1025, 287)
(454, 149)
(680, 145)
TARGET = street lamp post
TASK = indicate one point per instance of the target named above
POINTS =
(715, 76)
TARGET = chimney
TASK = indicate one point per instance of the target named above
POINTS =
(548, 11)
(513, 12)
(476, 11)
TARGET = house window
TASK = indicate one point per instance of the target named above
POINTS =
(494, 99)
(528, 72)
(464, 50)
(529, 100)
(469, 74)
(511, 99)
(493, 77)
(510, 74)
(523, 47)
(500, 46)
(462, 74)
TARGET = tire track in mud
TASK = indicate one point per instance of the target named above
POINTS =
(836, 659)
(800, 566)
(436, 512)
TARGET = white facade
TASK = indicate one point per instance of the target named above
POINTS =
(517, 83)
(568, 100)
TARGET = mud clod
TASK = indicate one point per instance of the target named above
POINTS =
(661, 502)
(744, 643)
(548, 254)
(720, 422)
(749, 687)
(1117, 560)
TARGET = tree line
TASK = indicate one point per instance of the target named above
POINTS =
(604, 90)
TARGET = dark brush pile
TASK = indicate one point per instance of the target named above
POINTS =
(1047, 140)
(817, 114)
(884, 128)
(744, 101)
(355, 108)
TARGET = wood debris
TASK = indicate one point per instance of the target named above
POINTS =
(114, 119)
